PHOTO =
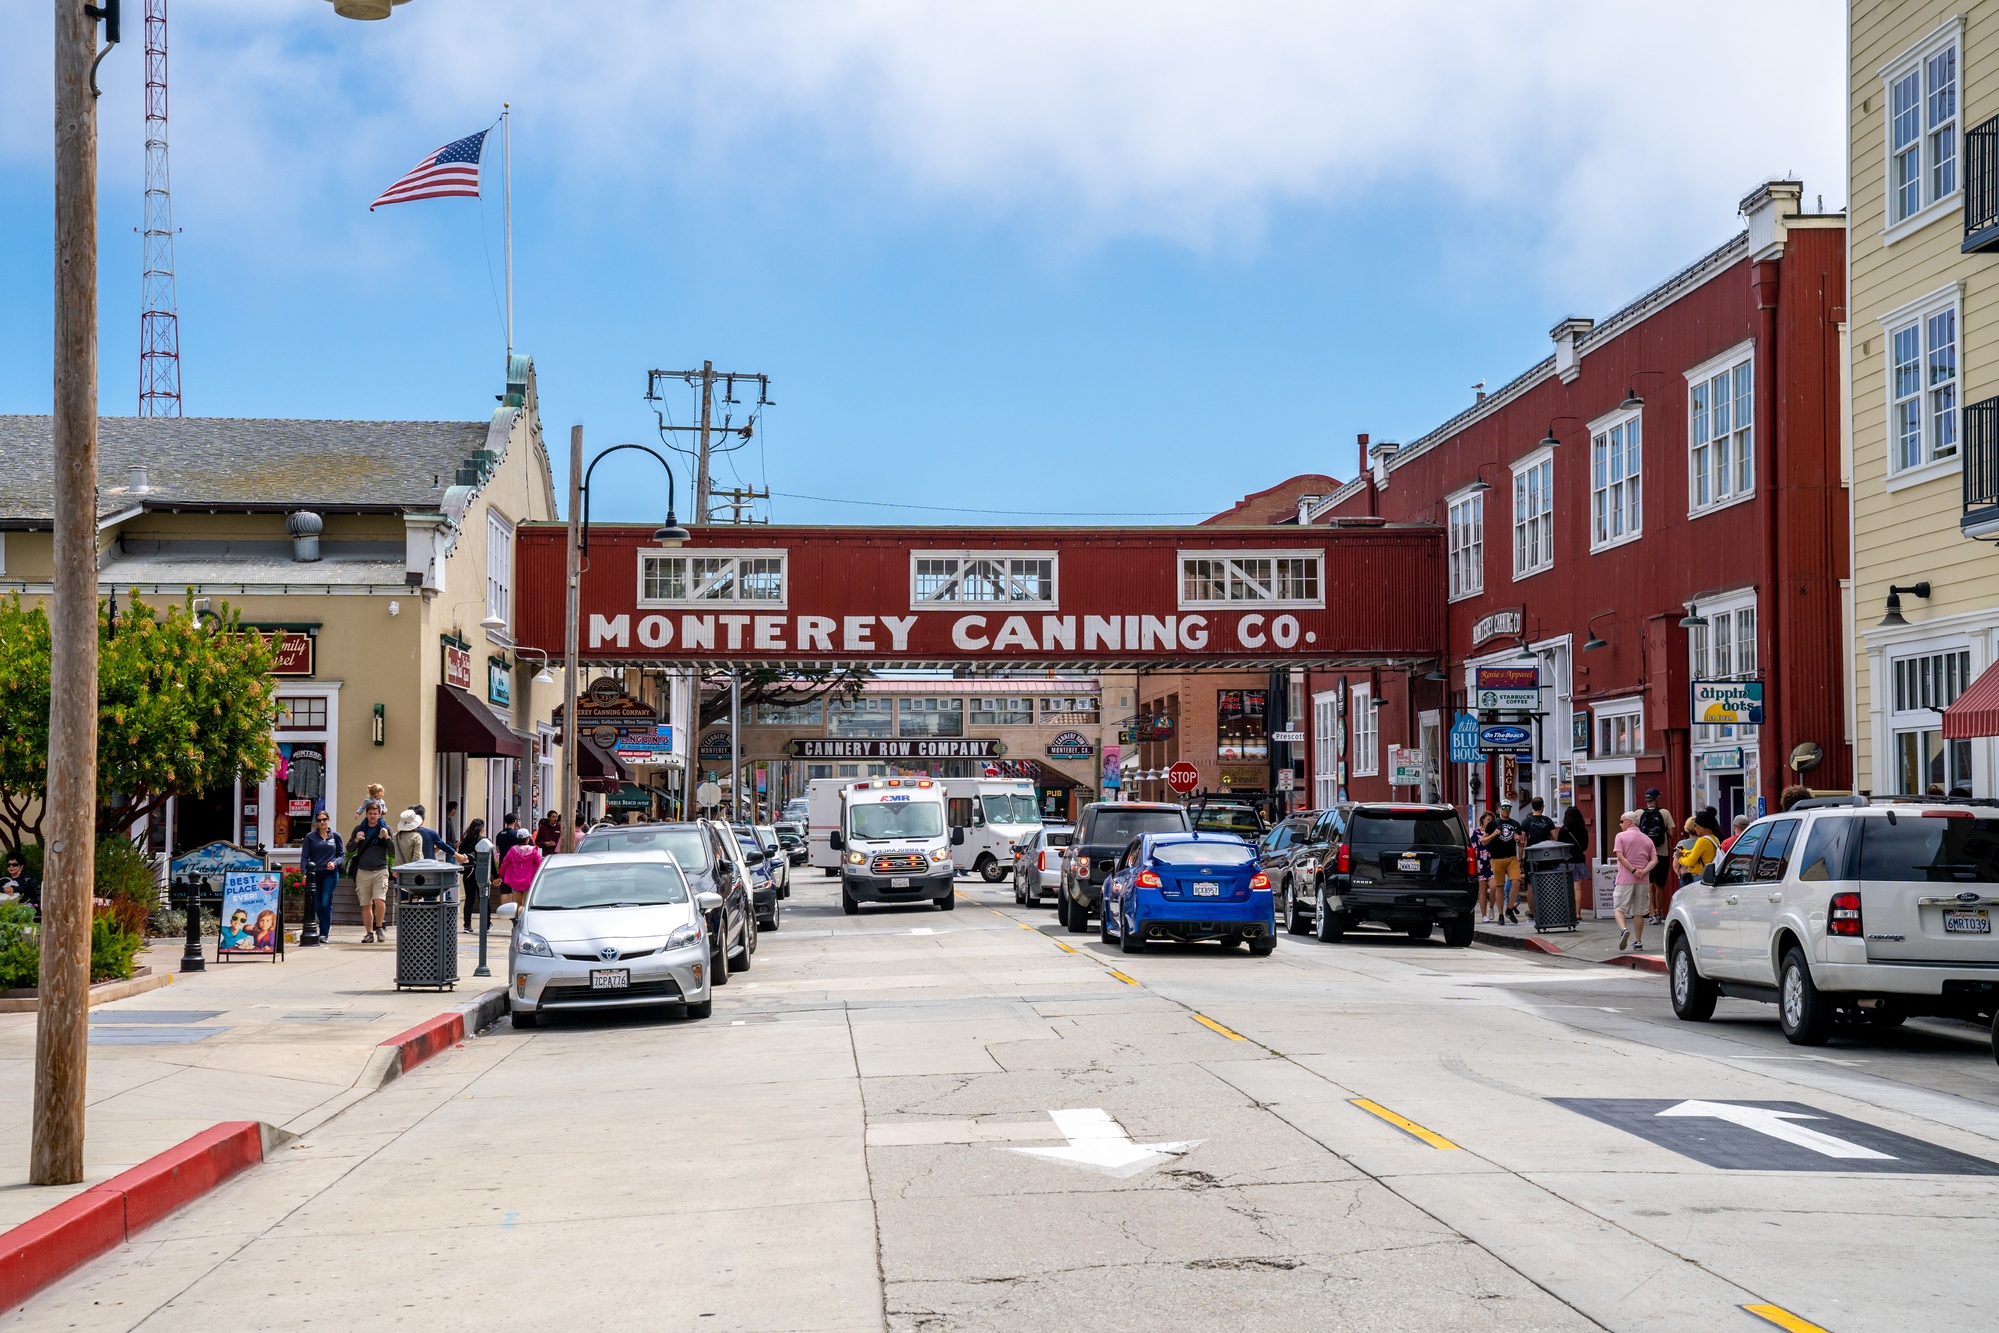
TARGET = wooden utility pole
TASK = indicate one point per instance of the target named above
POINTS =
(572, 726)
(701, 464)
(69, 831)
(734, 436)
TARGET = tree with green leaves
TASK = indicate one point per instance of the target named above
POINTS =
(184, 704)
(782, 687)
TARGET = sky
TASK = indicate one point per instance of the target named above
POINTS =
(1129, 259)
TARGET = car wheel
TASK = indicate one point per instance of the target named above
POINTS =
(1079, 917)
(1131, 934)
(1263, 946)
(776, 917)
(949, 902)
(1458, 931)
(1693, 995)
(525, 1019)
(834, 873)
(991, 869)
(701, 1010)
(740, 962)
(1062, 906)
(1802, 1010)
(1297, 920)
(1104, 924)
(718, 962)
(1330, 927)
(848, 903)
(1019, 891)
(1422, 931)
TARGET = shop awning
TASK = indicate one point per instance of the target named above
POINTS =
(466, 726)
(598, 770)
(1976, 712)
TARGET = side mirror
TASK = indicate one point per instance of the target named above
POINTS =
(753, 858)
(507, 911)
(837, 840)
(708, 901)
(958, 836)
(1708, 876)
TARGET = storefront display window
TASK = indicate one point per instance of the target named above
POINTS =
(1240, 733)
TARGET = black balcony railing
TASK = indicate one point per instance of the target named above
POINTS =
(1981, 470)
(1981, 188)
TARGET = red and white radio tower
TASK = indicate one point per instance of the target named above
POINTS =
(159, 318)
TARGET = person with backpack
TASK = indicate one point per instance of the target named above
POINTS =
(1656, 823)
(371, 850)
(1574, 835)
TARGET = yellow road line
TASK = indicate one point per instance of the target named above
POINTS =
(1784, 1319)
(1025, 926)
(1409, 1127)
(1063, 947)
(1207, 1022)
(1122, 977)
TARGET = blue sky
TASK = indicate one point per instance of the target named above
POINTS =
(1120, 258)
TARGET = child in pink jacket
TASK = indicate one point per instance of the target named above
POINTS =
(518, 867)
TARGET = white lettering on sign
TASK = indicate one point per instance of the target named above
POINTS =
(857, 633)
(1103, 632)
(1058, 632)
(697, 631)
(770, 632)
(1249, 631)
(655, 631)
(815, 633)
(898, 632)
(1193, 632)
(612, 630)
(961, 632)
(735, 624)
(1284, 631)
(1014, 633)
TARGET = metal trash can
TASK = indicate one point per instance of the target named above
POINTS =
(426, 924)
(1550, 880)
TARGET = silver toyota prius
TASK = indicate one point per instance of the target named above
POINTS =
(605, 930)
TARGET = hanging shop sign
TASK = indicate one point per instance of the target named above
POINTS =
(213, 860)
(643, 745)
(1071, 745)
(1113, 773)
(1726, 701)
(292, 647)
(1579, 731)
(499, 682)
(715, 744)
(1464, 740)
(1506, 738)
(915, 748)
(457, 662)
(1722, 761)
(1494, 625)
(1506, 689)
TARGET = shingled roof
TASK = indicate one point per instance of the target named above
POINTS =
(235, 462)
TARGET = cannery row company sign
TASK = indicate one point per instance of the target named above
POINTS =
(958, 748)
(878, 596)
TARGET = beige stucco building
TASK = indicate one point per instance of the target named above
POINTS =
(381, 550)
(1923, 359)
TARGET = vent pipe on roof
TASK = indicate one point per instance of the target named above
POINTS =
(304, 528)
(135, 479)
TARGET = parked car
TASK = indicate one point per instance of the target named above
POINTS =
(780, 862)
(1037, 869)
(712, 860)
(1189, 886)
(1842, 909)
(1293, 860)
(1408, 867)
(791, 837)
(1102, 834)
(767, 869)
(607, 930)
(1237, 817)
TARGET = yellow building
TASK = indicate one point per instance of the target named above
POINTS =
(1923, 359)
(381, 550)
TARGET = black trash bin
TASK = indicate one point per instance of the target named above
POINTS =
(426, 924)
(1550, 881)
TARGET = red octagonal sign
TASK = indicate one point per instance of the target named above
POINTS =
(1183, 777)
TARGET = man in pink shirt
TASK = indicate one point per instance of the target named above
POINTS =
(1635, 855)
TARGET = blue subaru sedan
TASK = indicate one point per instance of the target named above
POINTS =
(1189, 886)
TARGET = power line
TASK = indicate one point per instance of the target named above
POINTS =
(958, 509)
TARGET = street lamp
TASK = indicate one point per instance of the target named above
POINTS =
(543, 676)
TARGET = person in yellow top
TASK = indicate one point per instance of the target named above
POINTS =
(1702, 846)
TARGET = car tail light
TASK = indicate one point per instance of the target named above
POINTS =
(1148, 880)
(1041, 860)
(1471, 862)
(1261, 881)
(1948, 814)
(1844, 916)
(1343, 863)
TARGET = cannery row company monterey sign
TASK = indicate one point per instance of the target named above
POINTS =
(881, 596)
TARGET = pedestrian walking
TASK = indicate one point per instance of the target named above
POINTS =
(1505, 843)
(1574, 834)
(410, 842)
(548, 834)
(1635, 855)
(371, 850)
(517, 872)
(468, 847)
(319, 860)
(1656, 823)
(1537, 826)
(1702, 846)
(509, 834)
(451, 822)
(1488, 908)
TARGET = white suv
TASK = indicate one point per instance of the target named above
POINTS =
(1842, 908)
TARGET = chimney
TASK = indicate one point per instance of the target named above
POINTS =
(1362, 439)
(135, 479)
(1568, 362)
(1767, 208)
(1305, 503)
(1380, 456)
(304, 527)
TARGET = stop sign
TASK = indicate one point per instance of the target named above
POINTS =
(1183, 777)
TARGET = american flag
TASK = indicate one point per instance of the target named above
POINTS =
(451, 171)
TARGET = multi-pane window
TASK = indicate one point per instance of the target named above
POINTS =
(1002, 711)
(1722, 447)
(1922, 375)
(1620, 733)
(1467, 545)
(930, 717)
(1926, 764)
(1534, 517)
(860, 717)
(1222, 578)
(1064, 709)
(1366, 734)
(808, 714)
(1614, 484)
(1922, 132)
(499, 567)
(983, 577)
(756, 577)
(1931, 681)
(1722, 649)
(301, 713)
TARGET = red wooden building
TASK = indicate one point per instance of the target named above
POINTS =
(1659, 501)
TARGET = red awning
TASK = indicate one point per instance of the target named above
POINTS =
(466, 726)
(599, 770)
(1976, 712)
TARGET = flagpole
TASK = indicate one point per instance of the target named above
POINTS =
(506, 170)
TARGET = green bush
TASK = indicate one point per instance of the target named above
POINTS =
(20, 951)
(123, 874)
(112, 949)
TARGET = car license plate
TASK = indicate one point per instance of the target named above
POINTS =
(1957, 921)
(1207, 890)
(1408, 863)
(610, 978)
(899, 882)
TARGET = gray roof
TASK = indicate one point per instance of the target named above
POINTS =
(238, 462)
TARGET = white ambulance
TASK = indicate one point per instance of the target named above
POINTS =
(995, 814)
(893, 844)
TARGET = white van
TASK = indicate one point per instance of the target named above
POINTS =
(893, 844)
(822, 818)
(995, 814)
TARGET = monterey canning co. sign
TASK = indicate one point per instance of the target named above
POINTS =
(879, 596)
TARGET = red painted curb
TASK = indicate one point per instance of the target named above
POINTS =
(1535, 944)
(428, 1038)
(50, 1244)
(1638, 962)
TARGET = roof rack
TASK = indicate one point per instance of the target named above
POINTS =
(1823, 802)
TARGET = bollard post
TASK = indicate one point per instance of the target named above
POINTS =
(482, 871)
(190, 893)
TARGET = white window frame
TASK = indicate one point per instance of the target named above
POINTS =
(1939, 135)
(1904, 715)
(1619, 435)
(1238, 578)
(1732, 619)
(1614, 720)
(1525, 537)
(965, 558)
(692, 598)
(1325, 748)
(1935, 419)
(1365, 729)
(1465, 527)
(499, 567)
(1705, 495)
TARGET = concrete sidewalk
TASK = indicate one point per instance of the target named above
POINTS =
(1591, 941)
(290, 1043)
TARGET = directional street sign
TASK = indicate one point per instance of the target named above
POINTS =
(1775, 1136)
(1099, 1143)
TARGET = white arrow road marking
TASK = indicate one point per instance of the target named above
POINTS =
(1099, 1143)
(1779, 1125)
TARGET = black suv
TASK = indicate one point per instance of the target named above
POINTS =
(712, 859)
(1104, 831)
(1408, 867)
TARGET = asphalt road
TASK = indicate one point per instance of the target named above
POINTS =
(974, 1120)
